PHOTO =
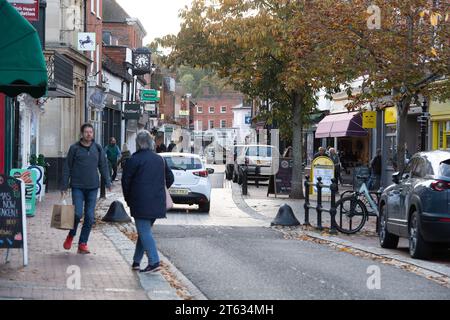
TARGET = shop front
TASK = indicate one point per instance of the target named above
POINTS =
(345, 132)
(440, 125)
(23, 80)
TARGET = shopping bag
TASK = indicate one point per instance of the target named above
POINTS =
(169, 201)
(63, 216)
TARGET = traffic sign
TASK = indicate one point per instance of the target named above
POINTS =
(150, 95)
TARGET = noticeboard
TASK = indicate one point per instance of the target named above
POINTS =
(322, 167)
(29, 179)
(281, 183)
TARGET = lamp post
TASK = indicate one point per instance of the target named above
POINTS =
(424, 124)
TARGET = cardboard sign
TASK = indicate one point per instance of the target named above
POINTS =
(322, 167)
(29, 178)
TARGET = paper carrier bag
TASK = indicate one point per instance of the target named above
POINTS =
(63, 216)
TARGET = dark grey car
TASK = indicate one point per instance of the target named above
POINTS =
(417, 205)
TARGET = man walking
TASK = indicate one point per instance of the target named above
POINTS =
(113, 153)
(334, 156)
(160, 146)
(84, 160)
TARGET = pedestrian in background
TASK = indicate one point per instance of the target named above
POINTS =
(320, 153)
(334, 156)
(84, 160)
(126, 154)
(160, 146)
(172, 145)
(113, 154)
(144, 181)
(375, 174)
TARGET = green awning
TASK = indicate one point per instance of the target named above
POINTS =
(22, 63)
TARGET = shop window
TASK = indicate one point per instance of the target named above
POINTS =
(441, 136)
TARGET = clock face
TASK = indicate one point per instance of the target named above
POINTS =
(142, 61)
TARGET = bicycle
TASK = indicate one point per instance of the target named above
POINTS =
(355, 207)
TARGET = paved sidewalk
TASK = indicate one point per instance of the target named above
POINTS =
(105, 275)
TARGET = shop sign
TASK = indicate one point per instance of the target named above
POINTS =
(132, 111)
(29, 179)
(29, 9)
(370, 120)
(150, 95)
(86, 41)
(390, 115)
(184, 113)
(322, 167)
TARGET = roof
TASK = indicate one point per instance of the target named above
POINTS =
(113, 12)
(116, 69)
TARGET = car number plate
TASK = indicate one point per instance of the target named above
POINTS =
(178, 191)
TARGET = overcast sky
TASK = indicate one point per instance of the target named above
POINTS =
(159, 17)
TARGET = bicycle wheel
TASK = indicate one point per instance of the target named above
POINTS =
(351, 215)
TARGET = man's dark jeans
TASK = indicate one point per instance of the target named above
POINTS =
(113, 166)
(84, 199)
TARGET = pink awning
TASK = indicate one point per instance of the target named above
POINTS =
(341, 125)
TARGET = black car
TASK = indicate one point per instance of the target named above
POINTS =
(417, 205)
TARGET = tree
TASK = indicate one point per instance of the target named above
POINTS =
(404, 57)
(268, 49)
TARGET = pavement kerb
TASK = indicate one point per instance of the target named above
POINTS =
(432, 268)
(145, 281)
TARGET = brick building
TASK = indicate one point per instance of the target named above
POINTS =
(215, 111)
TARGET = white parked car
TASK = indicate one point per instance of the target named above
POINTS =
(261, 161)
(192, 183)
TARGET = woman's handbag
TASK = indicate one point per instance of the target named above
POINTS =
(169, 201)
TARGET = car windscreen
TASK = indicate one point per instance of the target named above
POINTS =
(184, 163)
(444, 169)
(259, 152)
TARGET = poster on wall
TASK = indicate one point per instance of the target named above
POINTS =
(29, 179)
(13, 231)
(29, 9)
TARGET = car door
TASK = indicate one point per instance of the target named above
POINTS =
(394, 199)
(417, 173)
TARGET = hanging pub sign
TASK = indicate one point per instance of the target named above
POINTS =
(29, 179)
(29, 9)
(132, 111)
(86, 41)
(369, 120)
(281, 183)
(322, 167)
(13, 224)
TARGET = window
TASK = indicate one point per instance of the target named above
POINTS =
(211, 124)
(441, 135)
(199, 109)
(199, 125)
(95, 120)
(93, 6)
(211, 110)
(444, 169)
(184, 163)
(223, 109)
(223, 123)
(259, 152)
(420, 170)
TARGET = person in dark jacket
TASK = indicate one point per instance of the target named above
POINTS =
(84, 159)
(160, 146)
(144, 180)
(113, 154)
(375, 166)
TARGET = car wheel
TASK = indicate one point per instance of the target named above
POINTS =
(205, 207)
(418, 247)
(387, 239)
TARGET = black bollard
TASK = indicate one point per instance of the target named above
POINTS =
(285, 217)
(307, 204)
(334, 189)
(116, 213)
(244, 182)
(319, 203)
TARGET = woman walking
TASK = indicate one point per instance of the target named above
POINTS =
(144, 179)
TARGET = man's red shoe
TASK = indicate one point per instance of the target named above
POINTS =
(68, 243)
(83, 248)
